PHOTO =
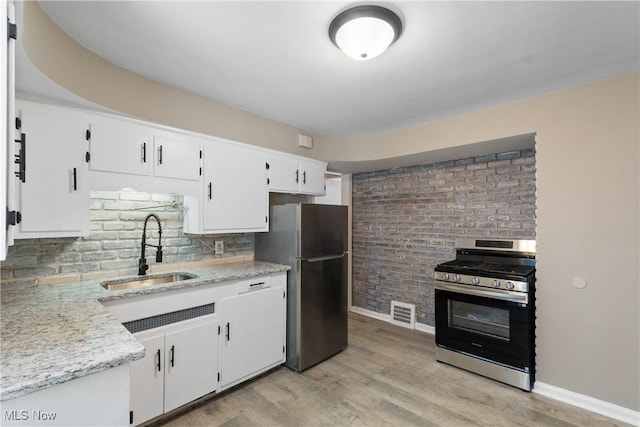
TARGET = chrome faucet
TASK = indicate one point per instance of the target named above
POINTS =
(142, 263)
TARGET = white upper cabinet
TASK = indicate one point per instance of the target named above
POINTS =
(119, 148)
(176, 159)
(130, 155)
(295, 175)
(8, 212)
(53, 191)
(235, 197)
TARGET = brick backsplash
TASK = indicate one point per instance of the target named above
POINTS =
(405, 222)
(113, 246)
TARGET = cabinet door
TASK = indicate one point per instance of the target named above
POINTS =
(191, 359)
(176, 159)
(54, 197)
(235, 190)
(120, 148)
(312, 178)
(284, 174)
(147, 378)
(252, 334)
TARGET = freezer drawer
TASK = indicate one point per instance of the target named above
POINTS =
(322, 323)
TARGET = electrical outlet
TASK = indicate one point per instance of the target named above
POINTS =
(219, 247)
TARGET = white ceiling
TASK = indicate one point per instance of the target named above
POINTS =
(275, 58)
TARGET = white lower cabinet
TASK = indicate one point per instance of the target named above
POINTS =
(239, 333)
(253, 329)
(180, 365)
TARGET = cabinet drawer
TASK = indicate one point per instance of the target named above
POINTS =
(254, 284)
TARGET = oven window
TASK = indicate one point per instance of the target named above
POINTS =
(480, 319)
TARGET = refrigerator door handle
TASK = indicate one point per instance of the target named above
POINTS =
(324, 258)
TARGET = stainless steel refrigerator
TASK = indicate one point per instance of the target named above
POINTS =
(312, 239)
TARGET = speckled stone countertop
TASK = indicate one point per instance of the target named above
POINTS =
(55, 333)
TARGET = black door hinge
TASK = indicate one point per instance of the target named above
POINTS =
(13, 218)
(282, 349)
(267, 166)
(218, 329)
(87, 157)
(21, 158)
(12, 30)
(87, 135)
(266, 219)
(18, 123)
(284, 294)
(130, 417)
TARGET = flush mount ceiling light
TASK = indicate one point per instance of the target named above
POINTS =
(364, 32)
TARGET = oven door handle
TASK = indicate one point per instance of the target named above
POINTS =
(487, 293)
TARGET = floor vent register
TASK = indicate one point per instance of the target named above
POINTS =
(403, 314)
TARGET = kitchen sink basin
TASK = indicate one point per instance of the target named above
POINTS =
(139, 282)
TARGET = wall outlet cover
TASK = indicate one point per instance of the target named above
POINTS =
(219, 247)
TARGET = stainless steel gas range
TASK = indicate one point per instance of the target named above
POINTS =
(485, 309)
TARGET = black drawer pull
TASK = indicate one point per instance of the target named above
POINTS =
(256, 284)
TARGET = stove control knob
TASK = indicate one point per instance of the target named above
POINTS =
(495, 283)
(509, 285)
(475, 281)
(445, 276)
(456, 278)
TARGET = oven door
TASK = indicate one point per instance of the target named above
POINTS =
(490, 324)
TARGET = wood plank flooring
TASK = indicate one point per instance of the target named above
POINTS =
(388, 376)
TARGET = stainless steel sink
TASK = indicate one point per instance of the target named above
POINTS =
(139, 282)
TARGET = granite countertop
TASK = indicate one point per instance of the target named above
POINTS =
(55, 333)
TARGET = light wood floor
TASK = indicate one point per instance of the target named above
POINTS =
(387, 376)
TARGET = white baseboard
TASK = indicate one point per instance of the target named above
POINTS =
(582, 401)
(426, 328)
(387, 318)
(369, 313)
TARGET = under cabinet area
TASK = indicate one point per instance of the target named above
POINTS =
(52, 182)
(180, 365)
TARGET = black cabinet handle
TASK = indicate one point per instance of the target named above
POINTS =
(158, 356)
(144, 152)
(75, 179)
(160, 154)
(297, 176)
(304, 177)
(210, 190)
(173, 353)
(228, 331)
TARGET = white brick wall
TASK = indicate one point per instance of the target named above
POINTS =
(113, 247)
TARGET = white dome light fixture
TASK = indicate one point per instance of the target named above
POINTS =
(364, 32)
